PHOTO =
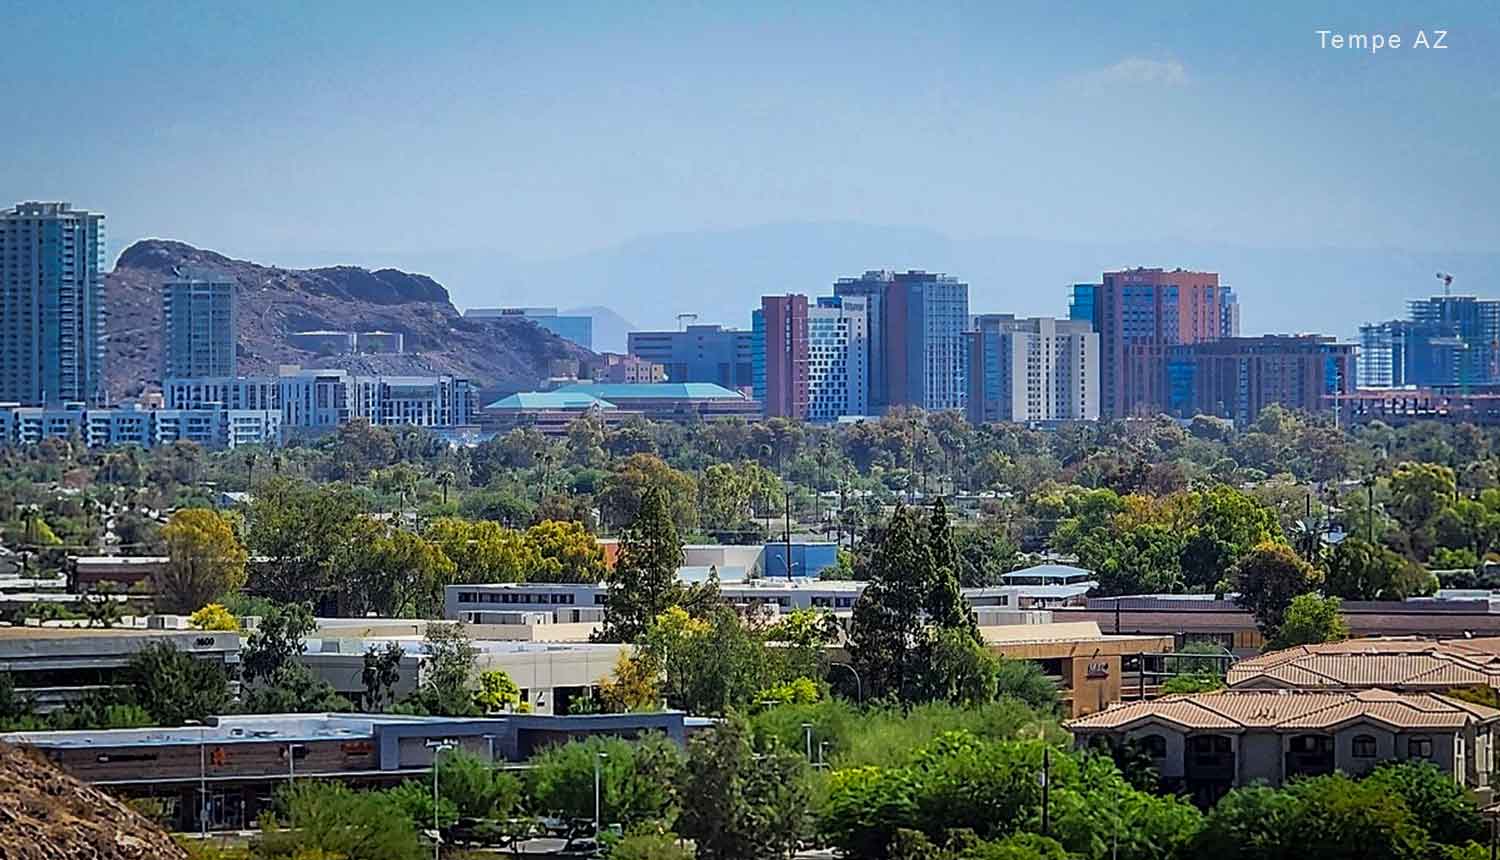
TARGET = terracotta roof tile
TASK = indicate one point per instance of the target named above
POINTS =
(1236, 710)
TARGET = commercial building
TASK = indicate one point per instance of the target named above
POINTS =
(1087, 665)
(55, 666)
(51, 305)
(319, 400)
(380, 342)
(1190, 618)
(576, 328)
(1207, 743)
(210, 427)
(1037, 369)
(1139, 313)
(699, 354)
(1444, 341)
(550, 413)
(915, 324)
(1399, 406)
(1081, 302)
(1237, 377)
(628, 369)
(242, 760)
(198, 325)
(815, 357)
(671, 401)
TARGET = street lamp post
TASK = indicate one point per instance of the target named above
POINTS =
(437, 747)
(598, 762)
(859, 691)
(807, 729)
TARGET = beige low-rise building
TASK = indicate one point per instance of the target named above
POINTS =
(1086, 664)
(1207, 743)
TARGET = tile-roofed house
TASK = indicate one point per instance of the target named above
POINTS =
(1207, 743)
(1391, 663)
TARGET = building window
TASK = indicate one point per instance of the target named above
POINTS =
(1419, 748)
(1154, 746)
(1364, 746)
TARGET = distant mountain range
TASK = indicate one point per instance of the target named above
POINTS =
(720, 275)
(274, 302)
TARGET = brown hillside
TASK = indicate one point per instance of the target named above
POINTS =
(47, 815)
(274, 302)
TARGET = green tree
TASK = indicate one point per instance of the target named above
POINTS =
(395, 573)
(330, 820)
(1267, 579)
(569, 553)
(910, 602)
(639, 475)
(1310, 620)
(304, 532)
(381, 674)
(443, 688)
(644, 582)
(647, 844)
(740, 805)
(1358, 570)
(205, 561)
(275, 680)
(638, 782)
(483, 551)
(174, 687)
(1443, 807)
(1420, 492)
(475, 786)
(497, 693)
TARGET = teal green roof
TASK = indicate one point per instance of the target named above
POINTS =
(647, 390)
(562, 399)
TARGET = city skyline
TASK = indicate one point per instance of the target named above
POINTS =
(1172, 129)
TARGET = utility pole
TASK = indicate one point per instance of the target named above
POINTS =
(1046, 791)
(788, 535)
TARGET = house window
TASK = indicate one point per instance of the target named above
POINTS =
(1419, 748)
(1154, 746)
(1364, 746)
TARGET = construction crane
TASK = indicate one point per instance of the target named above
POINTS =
(1447, 280)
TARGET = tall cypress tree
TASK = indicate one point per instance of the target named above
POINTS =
(644, 582)
(945, 603)
(888, 618)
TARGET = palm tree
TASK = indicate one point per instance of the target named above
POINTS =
(445, 480)
(249, 471)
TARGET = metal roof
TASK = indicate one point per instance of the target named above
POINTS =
(551, 400)
(654, 390)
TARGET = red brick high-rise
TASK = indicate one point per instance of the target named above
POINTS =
(1138, 314)
(786, 355)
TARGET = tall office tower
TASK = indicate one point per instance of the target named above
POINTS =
(1037, 369)
(1382, 354)
(1229, 313)
(51, 305)
(1081, 302)
(572, 327)
(916, 323)
(1237, 377)
(198, 325)
(786, 346)
(1138, 313)
(815, 357)
(699, 353)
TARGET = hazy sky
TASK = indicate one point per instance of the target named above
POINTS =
(298, 132)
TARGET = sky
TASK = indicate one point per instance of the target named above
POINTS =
(318, 133)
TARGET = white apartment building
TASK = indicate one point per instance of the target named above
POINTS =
(838, 352)
(1036, 369)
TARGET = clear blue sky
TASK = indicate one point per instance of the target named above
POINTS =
(300, 132)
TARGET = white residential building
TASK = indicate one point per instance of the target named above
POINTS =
(1036, 369)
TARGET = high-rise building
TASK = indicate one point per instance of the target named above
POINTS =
(784, 319)
(51, 305)
(1445, 341)
(1229, 312)
(699, 353)
(1037, 369)
(576, 328)
(1081, 302)
(1237, 377)
(916, 323)
(1138, 314)
(198, 325)
(815, 356)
